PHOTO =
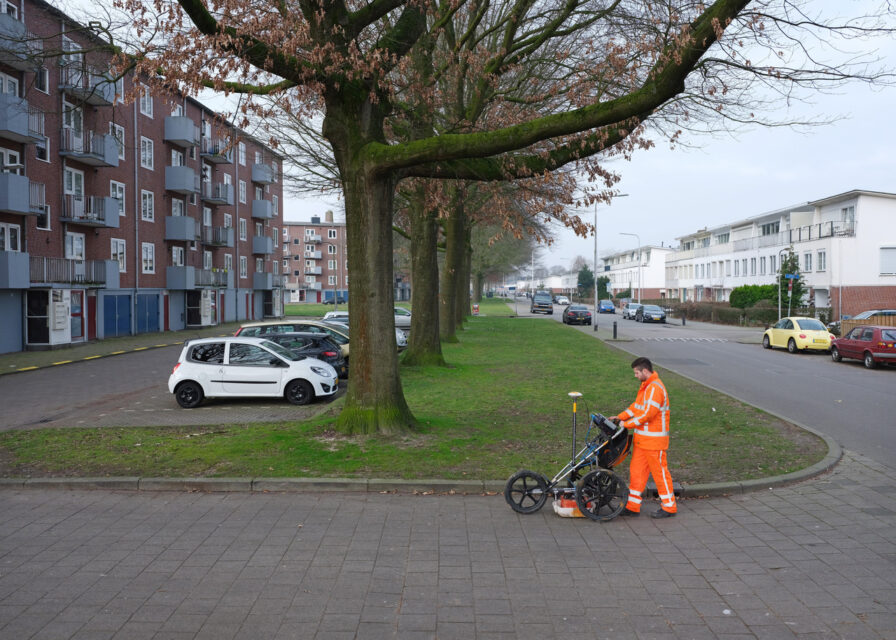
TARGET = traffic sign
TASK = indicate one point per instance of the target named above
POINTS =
(792, 276)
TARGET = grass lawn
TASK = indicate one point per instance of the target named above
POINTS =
(500, 406)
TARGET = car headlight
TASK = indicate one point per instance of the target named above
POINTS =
(324, 372)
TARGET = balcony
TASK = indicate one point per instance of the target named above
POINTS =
(217, 193)
(14, 270)
(262, 174)
(181, 130)
(262, 281)
(100, 273)
(217, 236)
(19, 48)
(262, 245)
(218, 278)
(86, 84)
(312, 255)
(20, 122)
(315, 238)
(262, 209)
(182, 180)
(313, 286)
(180, 278)
(216, 151)
(90, 211)
(181, 229)
(313, 271)
(95, 149)
(18, 195)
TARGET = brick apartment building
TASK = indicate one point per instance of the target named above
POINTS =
(119, 218)
(315, 263)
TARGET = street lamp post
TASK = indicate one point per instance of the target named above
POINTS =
(779, 274)
(635, 235)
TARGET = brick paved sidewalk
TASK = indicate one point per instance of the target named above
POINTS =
(815, 560)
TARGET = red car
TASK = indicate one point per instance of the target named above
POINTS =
(872, 345)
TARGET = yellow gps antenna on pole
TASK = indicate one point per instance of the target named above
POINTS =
(575, 395)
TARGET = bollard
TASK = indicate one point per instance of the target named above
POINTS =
(684, 320)
(614, 329)
(595, 325)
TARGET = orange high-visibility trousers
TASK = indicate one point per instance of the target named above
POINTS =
(646, 463)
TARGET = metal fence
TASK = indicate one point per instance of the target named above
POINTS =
(64, 270)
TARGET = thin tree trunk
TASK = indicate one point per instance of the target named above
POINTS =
(424, 346)
(454, 243)
(463, 306)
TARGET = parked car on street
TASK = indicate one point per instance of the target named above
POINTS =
(606, 306)
(313, 345)
(872, 345)
(798, 334)
(247, 367)
(630, 310)
(650, 313)
(576, 314)
(338, 333)
(541, 303)
(402, 318)
(561, 300)
(340, 322)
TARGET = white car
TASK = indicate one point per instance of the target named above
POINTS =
(562, 300)
(401, 338)
(250, 367)
(402, 317)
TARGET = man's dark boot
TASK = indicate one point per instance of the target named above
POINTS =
(628, 513)
(662, 513)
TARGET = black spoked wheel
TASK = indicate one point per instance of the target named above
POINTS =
(299, 392)
(601, 495)
(188, 394)
(526, 491)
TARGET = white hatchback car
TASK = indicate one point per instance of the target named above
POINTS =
(238, 367)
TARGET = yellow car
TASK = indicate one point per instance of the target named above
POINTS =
(798, 334)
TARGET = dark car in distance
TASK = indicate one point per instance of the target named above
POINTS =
(313, 345)
(650, 313)
(872, 345)
(576, 314)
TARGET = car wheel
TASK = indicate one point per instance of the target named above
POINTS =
(835, 354)
(869, 360)
(188, 394)
(766, 343)
(299, 392)
(791, 345)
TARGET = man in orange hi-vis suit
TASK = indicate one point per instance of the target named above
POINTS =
(649, 417)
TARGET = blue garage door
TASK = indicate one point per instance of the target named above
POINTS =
(147, 313)
(116, 315)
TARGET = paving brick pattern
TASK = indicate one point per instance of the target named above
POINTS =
(812, 561)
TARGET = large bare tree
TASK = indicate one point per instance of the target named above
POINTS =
(680, 63)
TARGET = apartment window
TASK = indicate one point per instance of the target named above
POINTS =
(275, 170)
(146, 153)
(148, 257)
(331, 280)
(309, 247)
(228, 262)
(243, 191)
(259, 265)
(244, 267)
(177, 256)
(116, 190)
(737, 267)
(177, 110)
(42, 220)
(42, 149)
(207, 216)
(752, 266)
(770, 228)
(119, 90)
(762, 266)
(241, 149)
(42, 80)
(207, 260)
(275, 266)
(309, 232)
(275, 234)
(728, 268)
(331, 234)
(228, 221)
(822, 261)
(227, 178)
(722, 238)
(807, 262)
(119, 253)
(10, 237)
(147, 205)
(309, 263)
(259, 193)
(772, 264)
(704, 242)
(177, 158)
(743, 266)
(285, 265)
(331, 249)
(177, 207)
(331, 264)
(146, 102)
(887, 260)
(117, 132)
(258, 157)
(310, 279)
(244, 232)
(275, 202)
(74, 246)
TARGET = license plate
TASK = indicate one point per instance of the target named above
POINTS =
(819, 340)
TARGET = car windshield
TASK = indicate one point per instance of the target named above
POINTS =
(281, 351)
(578, 307)
(810, 324)
(653, 308)
(863, 315)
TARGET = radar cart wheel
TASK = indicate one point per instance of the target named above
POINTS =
(526, 491)
(601, 495)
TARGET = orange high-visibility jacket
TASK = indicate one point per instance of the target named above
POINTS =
(649, 415)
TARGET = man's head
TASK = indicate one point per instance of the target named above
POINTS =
(642, 368)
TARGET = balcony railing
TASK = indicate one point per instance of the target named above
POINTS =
(95, 149)
(19, 121)
(822, 230)
(64, 270)
(86, 84)
(181, 130)
(211, 278)
(216, 151)
(19, 48)
(313, 286)
(262, 174)
(217, 236)
(217, 193)
(94, 211)
(312, 255)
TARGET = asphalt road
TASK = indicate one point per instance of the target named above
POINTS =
(845, 400)
(124, 390)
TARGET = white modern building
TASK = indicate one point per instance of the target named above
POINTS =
(846, 246)
(646, 281)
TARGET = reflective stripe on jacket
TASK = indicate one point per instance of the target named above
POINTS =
(649, 415)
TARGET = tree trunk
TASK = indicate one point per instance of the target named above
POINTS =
(478, 284)
(424, 346)
(464, 303)
(454, 247)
